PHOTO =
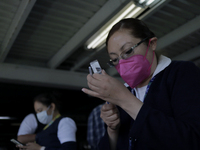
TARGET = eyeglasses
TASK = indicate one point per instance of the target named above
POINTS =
(125, 54)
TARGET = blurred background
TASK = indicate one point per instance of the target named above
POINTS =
(46, 46)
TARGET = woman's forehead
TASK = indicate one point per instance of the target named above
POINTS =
(120, 39)
(38, 104)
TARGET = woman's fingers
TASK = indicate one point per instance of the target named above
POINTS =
(105, 87)
(94, 79)
(96, 83)
(110, 115)
(90, 92)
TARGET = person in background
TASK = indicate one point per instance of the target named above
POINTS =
(59, 133)
(95, 127)
(28, 129)
(161, 111)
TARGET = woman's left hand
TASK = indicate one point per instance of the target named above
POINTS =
(106, 87)
(30, 146)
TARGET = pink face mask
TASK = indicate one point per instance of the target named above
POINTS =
(135, 69)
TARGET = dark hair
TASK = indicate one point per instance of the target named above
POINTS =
(138, 29)
(46, 99)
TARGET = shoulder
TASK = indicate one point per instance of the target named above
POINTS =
(67, 122)
(28, 125)
(180, 69)
(179, 74)
(183, 66)
(66, 130)
(31, 115)
(30, 118)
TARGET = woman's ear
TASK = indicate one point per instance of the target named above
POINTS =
(53, 106)
(153, 43)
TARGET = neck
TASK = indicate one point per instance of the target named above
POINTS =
(55, 114)
(153, 68)
(145, 82)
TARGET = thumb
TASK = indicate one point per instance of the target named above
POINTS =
(109, 106)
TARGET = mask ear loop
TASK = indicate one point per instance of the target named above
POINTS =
(152, 60)
(147, 52)
(147, 48)
(48, 107)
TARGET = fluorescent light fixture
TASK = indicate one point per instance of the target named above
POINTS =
(131, 10)
(149, 2)
(6, 118)
(144, 2)
(141, 1)
(102, 36)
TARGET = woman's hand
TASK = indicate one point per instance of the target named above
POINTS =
(110, 115)
(106, 87)
(111, 90)
(30, 146)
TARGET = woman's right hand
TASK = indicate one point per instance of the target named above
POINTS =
(110, 115)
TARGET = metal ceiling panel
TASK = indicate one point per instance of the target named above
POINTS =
(8, 9)
(183, 45)
(170, 17)
(173, 15)
(48, 27)
(52, 24)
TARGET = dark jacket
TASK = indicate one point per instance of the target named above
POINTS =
(40, 126)
(170, 116)
(49, 138)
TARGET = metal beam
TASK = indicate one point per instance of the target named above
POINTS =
(42, 76)
(16, 25)
(189, 55)
(21, 74)
(84, 60)
(179, 33)
(79, 38)
(111, 71)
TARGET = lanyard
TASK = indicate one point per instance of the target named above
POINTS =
(148, 86)
(57, 116)
(147, 89)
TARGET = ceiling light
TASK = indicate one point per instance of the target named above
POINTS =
(149, 2)
(129, 11)
(141, 1)
(6, 118)
(144, 3)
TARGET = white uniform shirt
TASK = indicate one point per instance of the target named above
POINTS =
(28, 125)
(66, 128)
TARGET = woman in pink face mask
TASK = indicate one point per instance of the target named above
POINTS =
(155, 111)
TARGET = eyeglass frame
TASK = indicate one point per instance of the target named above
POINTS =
(110, 63)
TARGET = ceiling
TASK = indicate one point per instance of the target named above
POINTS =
(42, 42)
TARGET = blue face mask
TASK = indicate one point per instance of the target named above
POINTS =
(43, 117)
